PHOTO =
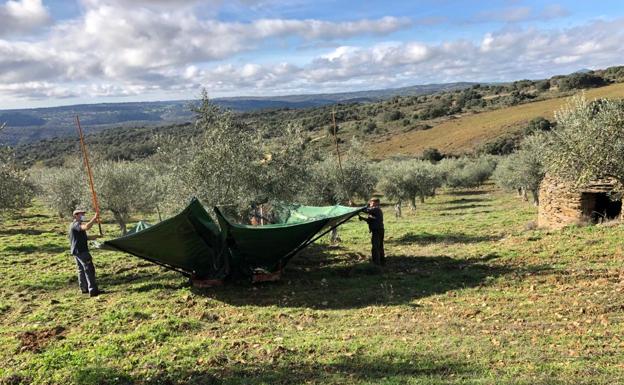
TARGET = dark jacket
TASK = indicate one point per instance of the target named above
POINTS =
(374, 219)
(77, 239)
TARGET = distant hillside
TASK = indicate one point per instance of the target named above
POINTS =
(29, 125)
(465, 133)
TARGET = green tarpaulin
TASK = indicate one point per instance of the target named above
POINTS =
(140, 226)
(193, 244)
(189, 242)
(269, 247)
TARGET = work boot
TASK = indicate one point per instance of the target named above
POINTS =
(96, 293)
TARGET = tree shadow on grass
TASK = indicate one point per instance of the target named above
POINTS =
(22, 232)
(465, 207)
(30, 248)
(357, 283)
(454, 214)
(289, 366)
(427, 238)
(463, 201)
(467, 192)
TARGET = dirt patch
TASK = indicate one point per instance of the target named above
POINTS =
(36, 341)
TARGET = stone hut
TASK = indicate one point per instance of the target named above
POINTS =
(561, 204)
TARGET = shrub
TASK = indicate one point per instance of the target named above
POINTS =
(580, 80)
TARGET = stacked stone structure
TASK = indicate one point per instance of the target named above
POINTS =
(562, 204)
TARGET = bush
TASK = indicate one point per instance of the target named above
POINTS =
(542, 85)
(580, 80)
(503, 145)
(538, 124)
(391, 116)
(432, 155)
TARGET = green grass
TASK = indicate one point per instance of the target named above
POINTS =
(468, 297)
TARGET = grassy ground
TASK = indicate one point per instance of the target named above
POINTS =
(468, 132)
(468, 297)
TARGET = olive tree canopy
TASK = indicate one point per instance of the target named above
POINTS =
(588, 142)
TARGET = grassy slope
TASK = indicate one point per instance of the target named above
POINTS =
(468, 297)
(467, 132)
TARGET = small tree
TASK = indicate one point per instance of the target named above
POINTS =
(326, 184)
(123, 188)
(408, 180)
(15, 189)
(432, 155)
(588, 142)
(525, 168)
(62, 189)
(466, 172)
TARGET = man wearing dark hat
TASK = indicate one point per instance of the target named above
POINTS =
(80, 250)
(374, 218)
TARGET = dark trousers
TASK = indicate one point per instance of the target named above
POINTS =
(86, 272)
(377, 250)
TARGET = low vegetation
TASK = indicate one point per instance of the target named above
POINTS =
(468, 296)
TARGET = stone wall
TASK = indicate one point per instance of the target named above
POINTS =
(561, 203)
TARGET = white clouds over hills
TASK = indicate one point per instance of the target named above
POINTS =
(112, 49)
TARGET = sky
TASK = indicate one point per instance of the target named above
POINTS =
(55, 52)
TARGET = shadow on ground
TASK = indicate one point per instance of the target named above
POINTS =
(52, 248)
(19, 231)
(424, 238)
(354, 283)
(283, 366)
(467, 192)
(465, 207)
(463, 201)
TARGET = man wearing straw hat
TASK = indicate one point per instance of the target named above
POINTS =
(80, 250)
(376, 228)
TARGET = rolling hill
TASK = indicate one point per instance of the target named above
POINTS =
(463, 134)
(31, 125)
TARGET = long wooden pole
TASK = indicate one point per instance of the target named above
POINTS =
(338, 154)
(85, 157)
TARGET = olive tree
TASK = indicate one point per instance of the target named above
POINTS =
(408, 180)
(524, 169)
(62, 189)
(124, 188)
(16, 191)
(588, 142)
(467, 172)
(222, 166)
(328, 184)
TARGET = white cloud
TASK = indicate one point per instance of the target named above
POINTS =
(21, 16)
(139, 49)
(521, 14)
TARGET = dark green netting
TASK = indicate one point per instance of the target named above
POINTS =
(192, 243)
(269, 247)
(189, 242)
